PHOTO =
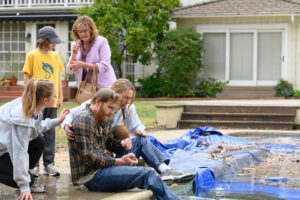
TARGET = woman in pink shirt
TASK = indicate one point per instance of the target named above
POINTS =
(90, 51)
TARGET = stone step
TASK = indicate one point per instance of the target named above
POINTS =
(239, 109)
(238, 92)
(184, 124)
(238, 116)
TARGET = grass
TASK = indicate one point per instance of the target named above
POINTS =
(145, 110)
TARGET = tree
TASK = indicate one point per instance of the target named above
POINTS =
(132, 27)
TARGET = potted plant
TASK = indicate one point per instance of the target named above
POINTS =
(65, 79)
(12, 77)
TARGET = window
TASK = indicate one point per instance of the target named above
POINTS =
(12, 49)
(244, 54)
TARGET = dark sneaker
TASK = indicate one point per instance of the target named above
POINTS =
(38, 188)
(35, 171)
(177, 176)
(50, 170)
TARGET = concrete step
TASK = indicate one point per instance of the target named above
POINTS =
(238, 92)
(237, 116)
(239, 109)
(183, 124)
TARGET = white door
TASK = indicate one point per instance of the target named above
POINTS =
(245, 57)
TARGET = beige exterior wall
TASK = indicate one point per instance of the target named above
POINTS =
(293, 36)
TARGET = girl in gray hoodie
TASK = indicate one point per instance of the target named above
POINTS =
(21, 143)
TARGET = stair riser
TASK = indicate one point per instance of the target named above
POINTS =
(185, 125)
(237, 118)
(12, 88)
(7, 94)
(239, 109)
(7, 99)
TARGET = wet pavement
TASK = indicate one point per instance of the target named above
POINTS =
(61, 188)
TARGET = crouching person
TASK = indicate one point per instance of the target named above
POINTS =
(21, 142)
(93, 167)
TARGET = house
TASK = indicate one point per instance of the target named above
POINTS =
(247, 42)
(20, 21)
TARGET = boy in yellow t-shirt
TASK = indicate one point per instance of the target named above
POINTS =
(44, 63)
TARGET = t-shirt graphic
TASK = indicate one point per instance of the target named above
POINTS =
(48, 70)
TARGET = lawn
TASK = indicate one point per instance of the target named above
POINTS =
(145, 110)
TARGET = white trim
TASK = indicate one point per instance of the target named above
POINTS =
(249, 28)
(255, 56)
(227, 56)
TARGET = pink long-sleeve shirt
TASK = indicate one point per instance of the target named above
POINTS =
(99, 54)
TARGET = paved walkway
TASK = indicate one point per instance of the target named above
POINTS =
(243, 102)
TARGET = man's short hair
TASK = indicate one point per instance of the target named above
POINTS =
(106, 95)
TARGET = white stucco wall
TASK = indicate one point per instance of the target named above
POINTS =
(293, 36)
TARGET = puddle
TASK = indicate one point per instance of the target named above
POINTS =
(58, 188)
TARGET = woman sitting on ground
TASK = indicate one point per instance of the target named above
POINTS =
(21, 142)
(126, 113)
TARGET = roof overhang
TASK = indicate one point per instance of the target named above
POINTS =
(62, 16)
(218, 15)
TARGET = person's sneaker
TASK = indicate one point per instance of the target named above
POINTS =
(35, 171)
(38, 188)
(50, 170)
(177, 176)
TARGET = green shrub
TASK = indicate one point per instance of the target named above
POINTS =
(296, 93)
(284, 89)
(179, 61)
(209, 87)
(152, 86)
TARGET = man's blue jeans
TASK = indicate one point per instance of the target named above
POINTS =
(118, 178)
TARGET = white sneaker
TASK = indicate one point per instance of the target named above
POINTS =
(177, 176)
(50, 170)
(35, 171)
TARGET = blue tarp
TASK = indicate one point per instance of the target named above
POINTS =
(191, 153)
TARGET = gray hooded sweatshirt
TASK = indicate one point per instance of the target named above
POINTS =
(16, 133)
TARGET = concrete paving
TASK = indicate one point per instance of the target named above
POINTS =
(62, 189)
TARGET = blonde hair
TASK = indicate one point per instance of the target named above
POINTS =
(34, 92)
(121, 85)
(85, 20)
(43, 44)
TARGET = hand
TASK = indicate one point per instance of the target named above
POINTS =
(127, 160)
(60, 102)
(25, 196)
(126, 144)
(70, 134)
(141, 133)
(75, 49)
(63, 114)
(75, 65)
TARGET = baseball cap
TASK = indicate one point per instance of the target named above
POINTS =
(49, 33)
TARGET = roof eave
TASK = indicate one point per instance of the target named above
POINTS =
(211, 15)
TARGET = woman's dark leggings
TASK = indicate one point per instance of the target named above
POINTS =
(35, 150)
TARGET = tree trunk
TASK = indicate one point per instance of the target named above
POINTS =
(120, 72)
